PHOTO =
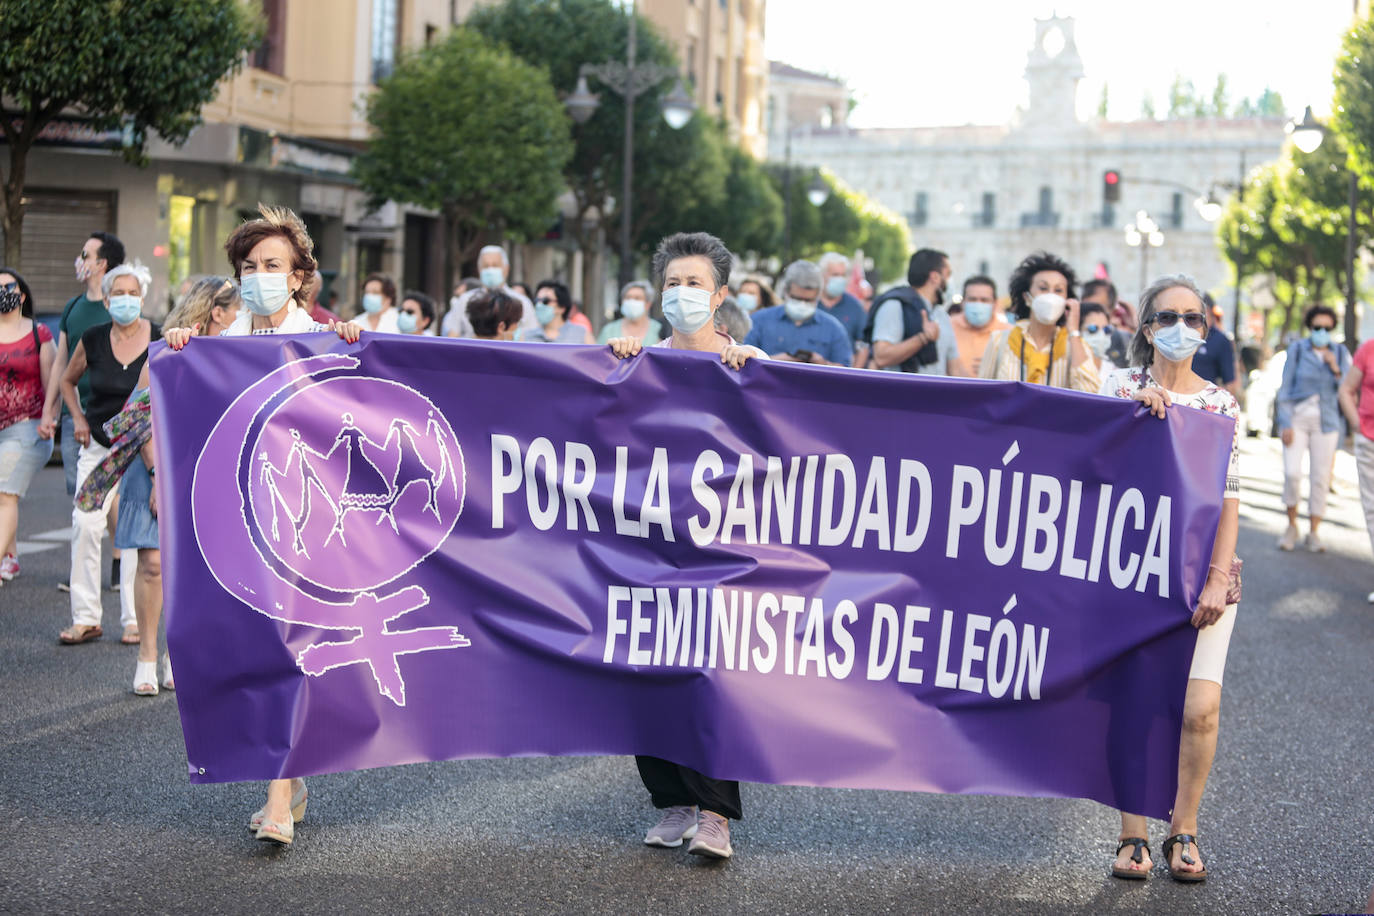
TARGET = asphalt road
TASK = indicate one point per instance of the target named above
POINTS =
(99, 816)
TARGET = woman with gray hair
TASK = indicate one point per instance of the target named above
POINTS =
(693, 269)
(636, 299)
(111, 356)
(1173, 324)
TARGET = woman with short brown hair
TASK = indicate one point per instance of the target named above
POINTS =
(273, 258)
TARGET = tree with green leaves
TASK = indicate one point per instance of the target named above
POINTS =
(466, 128)
(143, 67)
(1183, 101)
(747, 213)
(1354, 97)
(559, 36)
(1147, 106)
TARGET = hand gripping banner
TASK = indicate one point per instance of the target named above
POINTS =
(415, 549)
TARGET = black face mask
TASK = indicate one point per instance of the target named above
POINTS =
(9, 301)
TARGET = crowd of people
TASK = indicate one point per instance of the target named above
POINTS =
(90, 388)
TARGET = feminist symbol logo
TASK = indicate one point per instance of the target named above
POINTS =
(345, 484)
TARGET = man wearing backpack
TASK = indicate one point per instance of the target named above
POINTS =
(904, 326)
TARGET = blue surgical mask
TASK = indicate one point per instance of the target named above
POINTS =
(797, 310)
(491, 277)
(543, 313)
(406, 322)
(747, 302)
(264, 293)
(1099, 342)
(687, 308)
(372, 303)
(125, 309)
(834, 287)
(978, 314)
(1177, 343)
(633, 308)
(1321, 337)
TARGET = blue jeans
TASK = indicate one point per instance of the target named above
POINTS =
(71, 450)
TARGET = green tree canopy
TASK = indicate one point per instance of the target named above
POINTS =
(466, 128)
(146, 66)
(1354, 97)
(560, 36)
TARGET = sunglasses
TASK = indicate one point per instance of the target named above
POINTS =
(1094, 328)
(11, 287)
(544, 300)
(1195, 320)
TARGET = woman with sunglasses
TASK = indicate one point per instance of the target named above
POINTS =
(1096, 330)
(552, 305)
(1172, 327)
(1045, 346)
(27, 352)
(1309, 411)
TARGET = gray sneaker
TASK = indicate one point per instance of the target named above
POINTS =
(679, 823)
(713, 837)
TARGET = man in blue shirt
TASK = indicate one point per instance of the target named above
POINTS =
(797, 331)
(834, 300)
(1215, 360)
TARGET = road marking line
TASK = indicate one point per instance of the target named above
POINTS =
(27, 548)
(57, 534)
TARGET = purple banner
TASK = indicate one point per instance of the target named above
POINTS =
(414, 549)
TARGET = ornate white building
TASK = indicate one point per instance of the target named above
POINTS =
(990, 195)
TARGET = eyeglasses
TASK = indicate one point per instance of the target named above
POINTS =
(1195, 320)
(1094, 328)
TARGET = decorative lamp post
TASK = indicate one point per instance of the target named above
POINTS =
(1144, 234)
(629, 80)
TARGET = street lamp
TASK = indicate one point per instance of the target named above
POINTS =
(629, 80)
(818, 192)
(1144, 234)
(1307, 133)
(1209, 208)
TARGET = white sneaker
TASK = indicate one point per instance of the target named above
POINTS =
(713, 837)
(1315, 544)
(1289, 539)
(679, 823)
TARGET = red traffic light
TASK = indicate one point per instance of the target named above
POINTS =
(1111, 186)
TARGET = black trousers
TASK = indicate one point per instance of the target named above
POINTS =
(672, 784)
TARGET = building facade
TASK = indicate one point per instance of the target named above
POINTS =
(720, 43)
(802, 101)
(283, 131)
(989, 195)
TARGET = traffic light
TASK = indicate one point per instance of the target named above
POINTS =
(1111, 186)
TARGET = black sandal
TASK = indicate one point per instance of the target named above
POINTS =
(1184, 840)
(1132, 874)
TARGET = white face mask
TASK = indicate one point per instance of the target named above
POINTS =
(747, 301)
(633, 308)
(1048, 308)
(798, 310)
(687, 308)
